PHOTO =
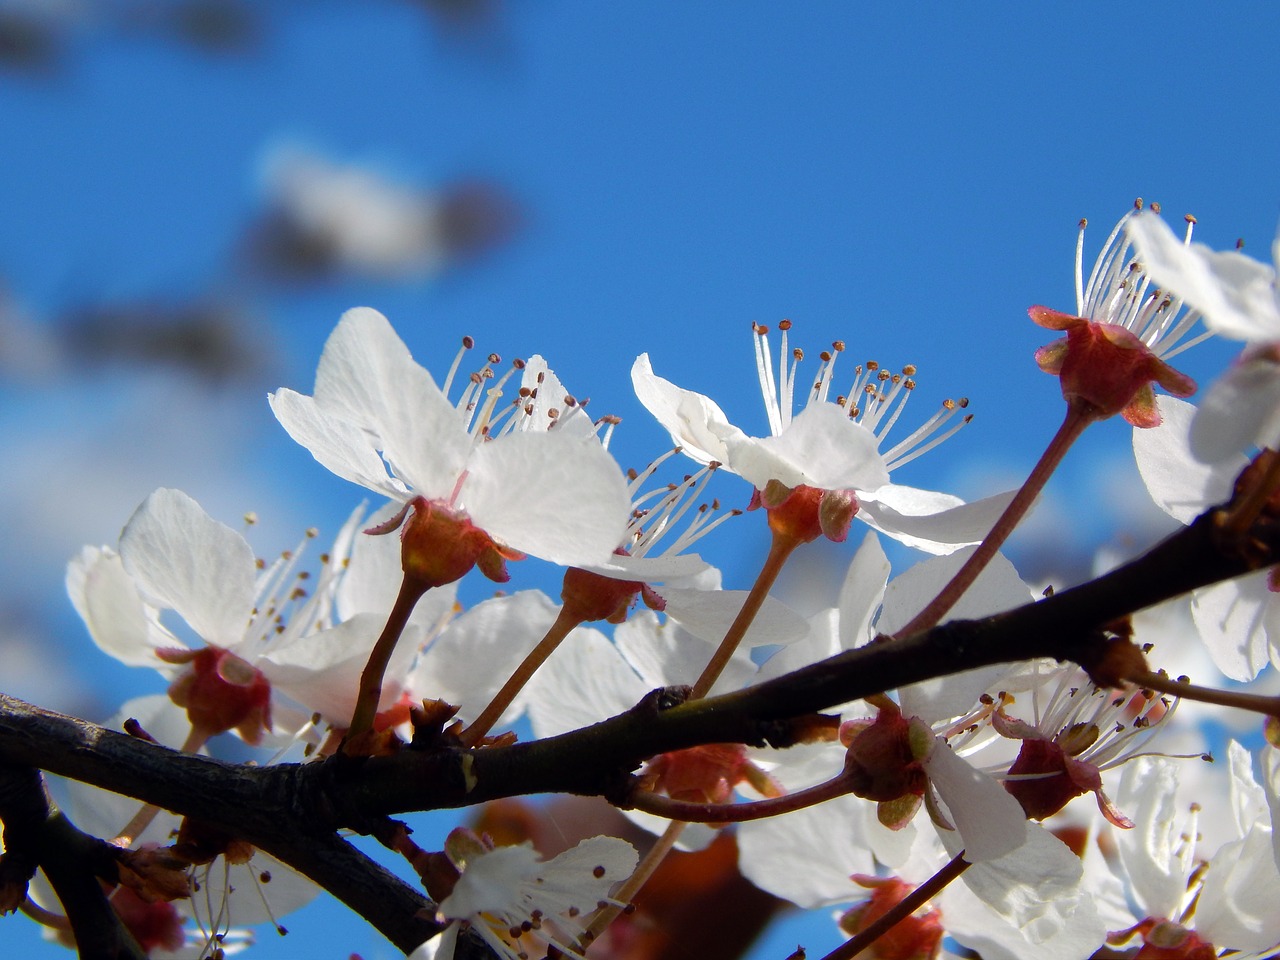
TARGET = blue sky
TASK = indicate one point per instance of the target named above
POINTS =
(908, 181)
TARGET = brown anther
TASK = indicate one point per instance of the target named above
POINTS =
(964, 402)
(1240, 243)
(873, 365)
(909, 384)
(494, 358)
(797, 353)
(599, 871)
(476, 378)
(1155, 207)
(1137, 203)
(760, 329)
(569, 401)
(784, 324)
(632, 473)
(948, 404)
(715, 504)
(909, 370)
(1190, 218)
(1083, 223)
(837, 346)
(528, 409)
(553, 413)
(542, 376)
(525, 391)
(825, 356)
(518, 363)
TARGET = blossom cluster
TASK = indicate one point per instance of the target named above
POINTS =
(1068, 810)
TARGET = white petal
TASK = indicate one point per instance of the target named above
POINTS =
(1235, 293)
(586, 681)
(548, 393)
(341, 446)
(1235, 620)
(322, 671)
(107, 600)
(1271, 786)
(1237, 907)
(807, 856)
(990, 822)
(1180, 484)
(649, 569)
(496, 633)
(694, 421)
(664, 654)
(551, 495)
(1248, 802)
(862, 592)
(1240, 410)
(1150, 851)
(821, 447)
(1027, 904)
(185, 560)
(927, 520)
(709, 614)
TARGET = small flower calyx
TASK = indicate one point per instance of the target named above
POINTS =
(803, 514)
(884, 761)
(440, 545)
(220, 692)
(1105, 369)
(706, 774)
(590, 596)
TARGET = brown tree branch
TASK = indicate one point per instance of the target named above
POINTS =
(37, 834)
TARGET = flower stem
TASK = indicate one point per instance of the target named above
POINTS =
(411, 591)
(564, 624)
(1268, 706)
(780, 549)
(739, 812)
(1072, 426)
(142, 819)
(626, 893)
(900, 911)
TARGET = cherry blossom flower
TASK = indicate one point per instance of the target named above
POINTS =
(1118, 342)
(1190, 905)
(504, 480)
(1076, 732)
(520, 905)
(831, 446)
(1239, 300)
(174, 556)
(1236, 294)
